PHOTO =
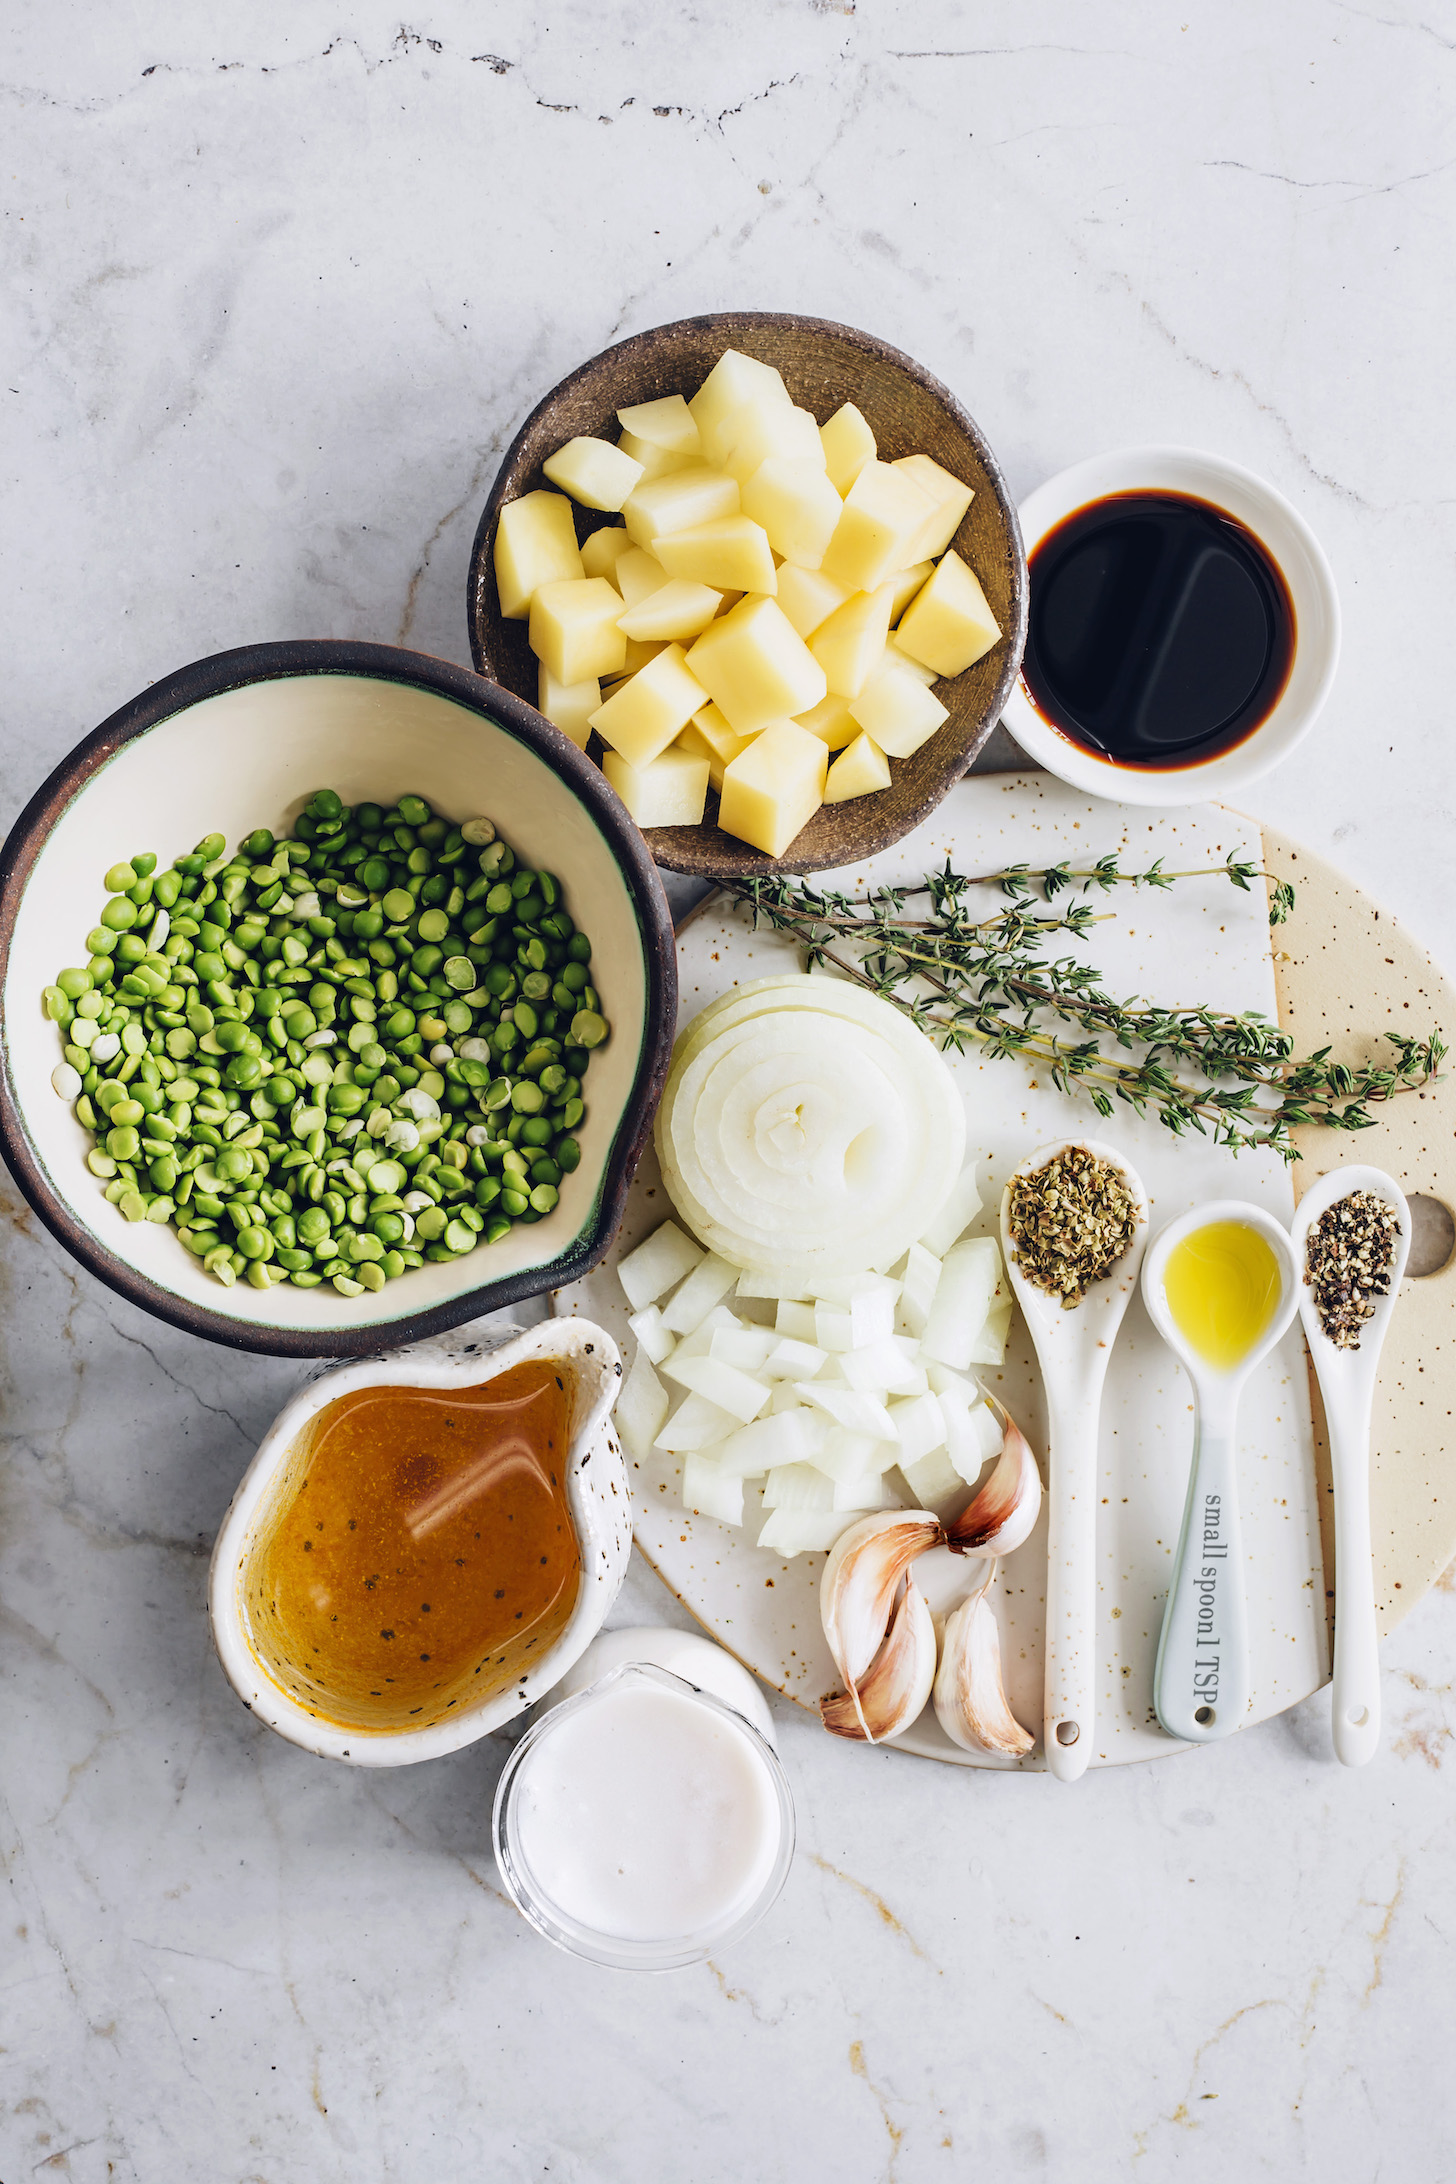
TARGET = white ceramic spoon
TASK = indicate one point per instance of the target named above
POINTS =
(1347, 1385)
(1201, 1682)
(1073, 1346)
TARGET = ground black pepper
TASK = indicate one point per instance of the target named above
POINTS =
(1347, 1257)
(1071, 1221)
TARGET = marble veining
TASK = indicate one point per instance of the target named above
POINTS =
(279, 285)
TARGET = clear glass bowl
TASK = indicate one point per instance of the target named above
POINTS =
(669, 1952)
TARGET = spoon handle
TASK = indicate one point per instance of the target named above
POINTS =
(1355, 1701)
(1070, 1712)
(1201, 1683)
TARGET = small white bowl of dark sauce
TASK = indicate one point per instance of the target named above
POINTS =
(1185, 627)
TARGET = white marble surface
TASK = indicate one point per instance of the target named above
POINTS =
(279, 284)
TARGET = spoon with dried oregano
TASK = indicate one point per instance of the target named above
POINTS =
(1351, 1236)
(1074, 1219)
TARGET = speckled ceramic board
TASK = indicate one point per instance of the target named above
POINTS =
(1202, 941)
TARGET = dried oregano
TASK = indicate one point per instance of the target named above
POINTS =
(1071, 1220)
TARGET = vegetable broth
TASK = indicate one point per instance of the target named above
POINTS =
(421, 1554)
(1162, 631)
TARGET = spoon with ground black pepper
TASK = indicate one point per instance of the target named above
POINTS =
(1351, 1236)
(1074, 1219)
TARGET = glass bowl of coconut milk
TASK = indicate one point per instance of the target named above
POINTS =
(644, 1823)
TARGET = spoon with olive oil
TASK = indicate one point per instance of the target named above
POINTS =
(1221, 1287)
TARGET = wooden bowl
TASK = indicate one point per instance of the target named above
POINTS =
(909, 412)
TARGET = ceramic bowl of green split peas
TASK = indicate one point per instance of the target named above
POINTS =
(338, 994)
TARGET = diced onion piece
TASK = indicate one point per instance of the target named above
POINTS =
(846, 1455)
(735, 1392)
(709, 1491)
(746, 1347)
(654, 1266)
(641, 1408)
(789, 1437)
(764, 1281)
(870, 1490)
(833, 1327)
(700, 1342)
(710, 1279)
(652, 1337)
(791, 1532)
(847, 1407)
(696, 1424)
(956, 1215)
(989, 1346)
(968, 1279)
(882, 1368)
(972, 1434)
(792, 1319)
(797, 1486)
(807, 1128)
(919, 1427)
(934, 1479)
(791, 1360)
(845, 1289)
(917, 1292)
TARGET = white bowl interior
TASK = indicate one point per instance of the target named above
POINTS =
(1285, 534)
(251, 757)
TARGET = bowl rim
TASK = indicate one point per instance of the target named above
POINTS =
(853, 337)
(1151, 467)
(285, 661)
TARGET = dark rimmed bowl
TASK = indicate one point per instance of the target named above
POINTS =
(241, 740)
(910, 412)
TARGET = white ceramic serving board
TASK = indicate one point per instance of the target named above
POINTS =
(1200, 941)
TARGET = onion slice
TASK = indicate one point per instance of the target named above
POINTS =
(809, 1128)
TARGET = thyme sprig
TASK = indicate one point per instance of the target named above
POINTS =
(989, 982)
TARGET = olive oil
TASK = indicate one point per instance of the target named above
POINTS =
(421, 1553)
(1223, 1287)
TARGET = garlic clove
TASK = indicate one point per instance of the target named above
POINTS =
(857, 1591)
(997, 1519)
(893, 1691)
(970, 1698)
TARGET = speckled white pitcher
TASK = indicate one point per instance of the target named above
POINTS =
(597, 1494)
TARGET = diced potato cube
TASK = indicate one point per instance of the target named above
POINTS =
(729, 601)
(669, 791)
(848, 445)
(603, 550)
(594, 473)
(675, 609)
(764, 428)
(638, 575)
(535, 544)
(573, 628)
(894, 657)
(709, 736)
(896, 709)
(678, 502)
(808, 597)
(773, 790)
(756, 667)
(656, 462)
(949, 625)
(667, 423)
(951, 497)
(639, 651)
(850, 644)
(884, 512)
(642, 717)
(568, 706)
(797, 506)
(732, 382)
(832, 722)
(858, 771)
(905, 584)
(731, 554)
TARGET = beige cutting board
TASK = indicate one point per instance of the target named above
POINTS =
(1345, 972)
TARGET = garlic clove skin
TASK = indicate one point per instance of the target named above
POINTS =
(1004, 1512)
(893, 1692)
(861, 1577)
(970, 1698)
